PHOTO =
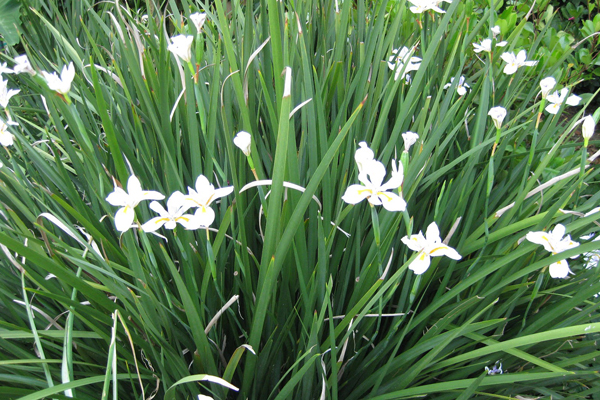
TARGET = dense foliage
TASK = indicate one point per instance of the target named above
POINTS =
(270, 270)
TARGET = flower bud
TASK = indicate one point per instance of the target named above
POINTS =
(587, 128)
(547, 84)
(410, 138)
(243, 140)
(497, 114)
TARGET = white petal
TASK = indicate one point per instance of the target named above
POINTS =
(203, 185)
(415, 242)
(509, 58)
(392, 202)
(170, 224)
(375, 171)
(510, 69)
(559, 269)
(433, 233)
(154, 224)
(158, 208)
(204, 216)
(420, 264)
(542, 238)
(243, 140)
(588, 126)
(396, 179)
(553, 108)
(133, 185)
(501, 44)
(124, 218)
(176, 202)
(221, 192)
(559, 231)
(573, 100)
(441, 249)
(189, 221)
(356, 193)
(149, 195)
(118, 198)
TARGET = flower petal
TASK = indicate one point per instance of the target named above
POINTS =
(391, 201)
(573, 100)
(189, 221)
(420, 264)
(133, 185)
(124, 218)
(356, 193)
(204, 216)
(553, 108)
(507, 57)
(221, 192)
(433, 233)
(559, 269)
(540, 238)
(158, 208)
(441, 249)
(415, 242)
(154, 224)
(118, 198)
(203, 185)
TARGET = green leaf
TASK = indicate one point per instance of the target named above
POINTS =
(10, 21)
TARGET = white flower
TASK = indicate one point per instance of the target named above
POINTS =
(547, 84)
(428, 246)
(555, 243)
(181, 46)
(496, 369)
(4, 69)
(495, 30)
(170, 217)
(372, 175)
(363, 155)
(128, 201)
(60, 84)
(420, 6)
(588, 126)
(399, 59)
(22, 65)
(198, 19)
(486, 45)
(204, 194)
(514, 62)
(243, 140)
(497, 114)
(6, 138)
(556, 99)
(6, 94)
(461, 88)
(592, 258)
(409, 138)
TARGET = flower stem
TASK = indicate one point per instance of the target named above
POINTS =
(539, 116)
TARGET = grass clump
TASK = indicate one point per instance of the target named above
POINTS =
(275, 200)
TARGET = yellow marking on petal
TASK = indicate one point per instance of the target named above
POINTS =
(422, 256)
(437, 248)
(161, 220)
(384, 194)
(365, 190)
(183, 218)
(210, 198)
